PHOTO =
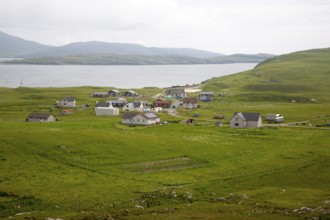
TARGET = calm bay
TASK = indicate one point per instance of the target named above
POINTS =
(130, 76)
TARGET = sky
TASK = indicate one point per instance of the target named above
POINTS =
(223, 26)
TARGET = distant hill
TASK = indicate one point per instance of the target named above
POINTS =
(299, 76)
(241, 58)
(95, 47)
(11, 46)
(103, 53)
(110, 59)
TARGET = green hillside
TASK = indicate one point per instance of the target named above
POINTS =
(299, 76)
(241, 58)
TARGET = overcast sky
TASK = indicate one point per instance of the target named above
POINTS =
(224, 26)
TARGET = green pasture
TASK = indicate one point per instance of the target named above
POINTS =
(89, 167)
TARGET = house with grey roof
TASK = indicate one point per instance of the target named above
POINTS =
(246, 120)
(206, 96)
(100, 94)
(114, 92)
(68, 101)
(175, 92)
(118, 103)
(40, 117)
(130, 93)
(139, 118)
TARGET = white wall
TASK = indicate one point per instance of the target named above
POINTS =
(106, 111)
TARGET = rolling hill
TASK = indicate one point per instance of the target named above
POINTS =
(11, 46)
(299, 76)
(95, 47)
(106, 53)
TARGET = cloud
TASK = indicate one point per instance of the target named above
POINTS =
(112, 14)
(273, 26)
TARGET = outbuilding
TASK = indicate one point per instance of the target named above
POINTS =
(40, 117)
(106, 109)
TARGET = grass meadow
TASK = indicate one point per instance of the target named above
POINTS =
(89, 167)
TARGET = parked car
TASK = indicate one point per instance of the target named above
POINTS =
(274, 118)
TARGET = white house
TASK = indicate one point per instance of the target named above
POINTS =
(40, 117)
(106, 109)
(138, 118)
(67, 101)
(134, 106)
(189, 103)
(245, 120)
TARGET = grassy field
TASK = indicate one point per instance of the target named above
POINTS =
(89, 167)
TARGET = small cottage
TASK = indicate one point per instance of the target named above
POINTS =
(189, 102)
(40, 117)
(114, 93)
(100, 94)
(68, 101)
(161, 103)
(106, 108)
(245, 120)
(130, 93)
(206, 96)
(175, 92)
(138, 118)
(134, 106)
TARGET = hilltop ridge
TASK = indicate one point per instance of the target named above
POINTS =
(108, 53)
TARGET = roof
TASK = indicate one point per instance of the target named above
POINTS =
(248, 116)
(130, 91)
(100, 93)
(39, 115)
(161, 101)
(114, 91)
(150, 115)
(69, 99)
(188, 100)
(175, 91)
(129, 115)
(206, 93)
(137, 104)
(117, 101)
(103, 104)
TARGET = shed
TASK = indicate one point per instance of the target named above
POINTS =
(106, 109)
(40, 117)
(100, 94)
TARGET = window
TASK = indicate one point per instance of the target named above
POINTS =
(236, 119)
(236, 124)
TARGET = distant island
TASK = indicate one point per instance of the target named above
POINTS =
(103, 53)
